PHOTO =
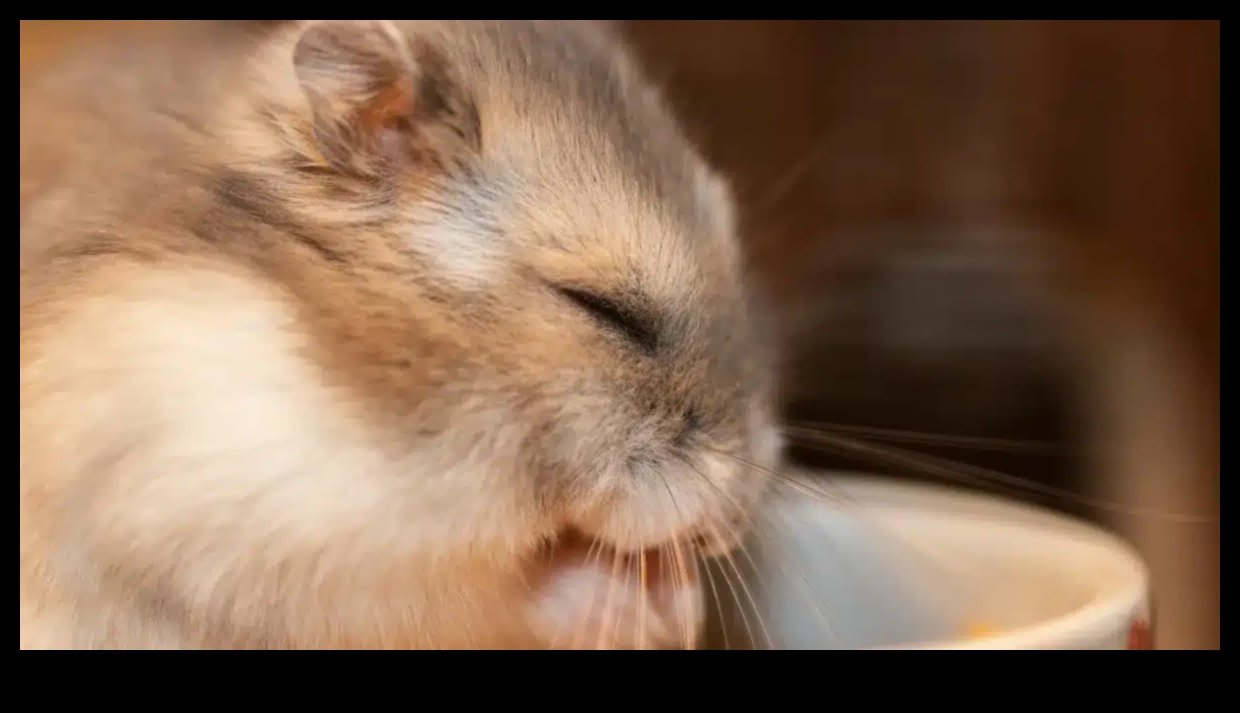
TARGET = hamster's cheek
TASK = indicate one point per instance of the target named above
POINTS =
(591, 599)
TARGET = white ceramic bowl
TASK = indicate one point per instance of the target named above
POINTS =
(886, 564)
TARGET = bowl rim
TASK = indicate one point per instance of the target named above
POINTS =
(1106, 614)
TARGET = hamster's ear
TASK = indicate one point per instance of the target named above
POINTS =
(382, 100)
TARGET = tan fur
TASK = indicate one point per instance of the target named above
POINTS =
(294, 373)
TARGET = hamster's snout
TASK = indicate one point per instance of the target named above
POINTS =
(690, 426)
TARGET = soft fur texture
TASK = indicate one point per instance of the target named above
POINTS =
(304, 362)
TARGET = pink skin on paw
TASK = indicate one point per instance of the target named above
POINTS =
(595, 600)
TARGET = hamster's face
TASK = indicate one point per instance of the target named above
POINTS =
(543, 289)
(603, 255)
(654, 393)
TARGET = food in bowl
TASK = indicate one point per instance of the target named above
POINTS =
(979, 630)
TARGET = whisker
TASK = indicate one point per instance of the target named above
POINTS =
(593, 554)
(754, 526)
(731, 560)
(978, 443)
(962, 472)
(608, 609)
(689, 633)
(628, 574)
(812, 597)
(726, 578)
(736, 569)
(949, 589)
(714, 591)
(663, 549)
(643, 600)
(920, 557)
(797, 484)
(782, 188)
(736, 597)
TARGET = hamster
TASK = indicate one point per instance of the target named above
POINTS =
(377, 334)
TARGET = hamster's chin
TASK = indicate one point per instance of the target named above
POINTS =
(588, 595)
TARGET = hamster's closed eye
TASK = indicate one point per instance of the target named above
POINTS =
(638, 328)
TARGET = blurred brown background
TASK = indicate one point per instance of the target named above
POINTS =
(991, 228)
(1001, 229)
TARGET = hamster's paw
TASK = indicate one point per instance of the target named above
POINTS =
(594, 598)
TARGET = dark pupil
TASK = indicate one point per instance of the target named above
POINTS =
(613, 316)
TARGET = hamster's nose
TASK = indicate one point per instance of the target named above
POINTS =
(690, 425)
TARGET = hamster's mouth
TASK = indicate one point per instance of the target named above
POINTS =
(671, 559)
(591, 594)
